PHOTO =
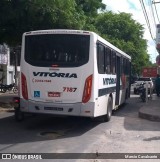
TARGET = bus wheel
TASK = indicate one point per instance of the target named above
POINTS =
(19, 116)
(107, 117)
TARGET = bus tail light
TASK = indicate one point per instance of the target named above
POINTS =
(87, 89)
(16, 102)
(24, 86)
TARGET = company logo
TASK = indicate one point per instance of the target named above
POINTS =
(108, 81)
(54, 74)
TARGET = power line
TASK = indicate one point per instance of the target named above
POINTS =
(152, 12)
(146, 17)
(153, 2)
(151, 16)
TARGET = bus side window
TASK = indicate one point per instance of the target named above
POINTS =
(128, 67)
(125, 65)
(100, 58)
(113, 60)
(121, 68)
(108, 60)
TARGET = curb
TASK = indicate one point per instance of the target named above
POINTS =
(150, 113)
(6, 109)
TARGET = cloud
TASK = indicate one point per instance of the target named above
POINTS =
(134, 7)
(116, 5)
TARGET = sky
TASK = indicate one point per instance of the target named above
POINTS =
(134, 7)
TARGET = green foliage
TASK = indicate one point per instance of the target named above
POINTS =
(90, 8)
(127, 34)
(19, 16)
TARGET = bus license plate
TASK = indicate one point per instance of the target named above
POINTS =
(54, 108)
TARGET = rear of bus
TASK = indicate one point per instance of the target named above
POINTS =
(57, 73)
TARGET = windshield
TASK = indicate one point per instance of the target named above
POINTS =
(60, 50)
(144, 79)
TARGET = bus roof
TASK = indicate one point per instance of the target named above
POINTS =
(58, 31)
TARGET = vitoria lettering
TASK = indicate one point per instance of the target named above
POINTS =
(107, 81)
(54, 74)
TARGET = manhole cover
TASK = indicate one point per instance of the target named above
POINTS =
(51, 134)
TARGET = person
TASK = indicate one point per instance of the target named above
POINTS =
(157, 84)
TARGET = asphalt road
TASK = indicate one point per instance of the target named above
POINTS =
(125, 133)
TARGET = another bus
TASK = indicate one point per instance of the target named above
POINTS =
(71, 72)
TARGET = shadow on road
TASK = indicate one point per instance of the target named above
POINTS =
(41, 128)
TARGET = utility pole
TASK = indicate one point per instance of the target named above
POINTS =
(15, 65)
(16, 51)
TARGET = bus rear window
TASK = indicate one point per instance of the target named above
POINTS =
(61, 50)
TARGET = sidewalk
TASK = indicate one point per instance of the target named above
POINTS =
(151, 109)
(6, 100)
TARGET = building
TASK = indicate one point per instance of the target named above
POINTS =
(158, 37)
(7, 65)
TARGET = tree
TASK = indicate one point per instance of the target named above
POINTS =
(90, 9)
(19, 16)
(127, 34)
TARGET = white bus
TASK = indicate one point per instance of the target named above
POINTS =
(71, 72)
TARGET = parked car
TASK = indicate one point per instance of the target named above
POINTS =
(142, 80)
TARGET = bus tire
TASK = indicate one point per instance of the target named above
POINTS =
(107, 117)
(19, 116)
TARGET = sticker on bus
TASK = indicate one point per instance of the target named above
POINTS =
(36, 93)
(54, 94)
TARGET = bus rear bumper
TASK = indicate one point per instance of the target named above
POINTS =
(70, 109)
